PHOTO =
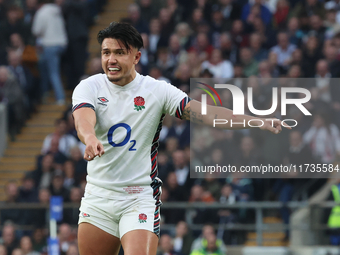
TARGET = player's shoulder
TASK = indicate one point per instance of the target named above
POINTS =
(149, 82)
(93, 82)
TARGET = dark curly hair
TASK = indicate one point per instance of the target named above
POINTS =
(123, 32)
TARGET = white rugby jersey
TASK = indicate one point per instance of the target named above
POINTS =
(129, 120)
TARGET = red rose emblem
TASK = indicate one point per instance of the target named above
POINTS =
(142, 218)
(139, 103)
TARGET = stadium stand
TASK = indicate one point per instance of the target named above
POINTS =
(183, 39)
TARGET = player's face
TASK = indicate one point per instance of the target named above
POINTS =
(118, 63)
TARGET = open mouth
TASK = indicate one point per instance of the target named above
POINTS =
(114, 70)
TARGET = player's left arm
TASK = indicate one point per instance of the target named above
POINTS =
(192, 112)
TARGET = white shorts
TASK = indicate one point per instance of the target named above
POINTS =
(118, 217)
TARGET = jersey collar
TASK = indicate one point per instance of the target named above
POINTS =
(128, 86)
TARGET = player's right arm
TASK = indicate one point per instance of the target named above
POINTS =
(85, 120)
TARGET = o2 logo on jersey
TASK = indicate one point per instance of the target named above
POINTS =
(126, 139)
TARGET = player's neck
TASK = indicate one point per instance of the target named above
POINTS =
(126, 80)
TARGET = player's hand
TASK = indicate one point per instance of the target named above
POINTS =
(93, 148)
(273, 125)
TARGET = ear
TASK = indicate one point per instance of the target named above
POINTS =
(137, 57)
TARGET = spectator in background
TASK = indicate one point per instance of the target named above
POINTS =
(56, 188)
(12, 196)
(175, 51)
(24, 77)
(201, 242)
(182, 75)
(248, 154)
(43, 174)
(308, 8)
(331, 56)
(70, 129)
(154, 35)
(311, 54)
(322, 91)
(228, 195)
(201, 46)
(27, 191)
(239, 80)
(184, 32)
(264, 70)
(218, 24)
(331, 24)
(13, 24)
(66, 141)
(71, 215)
(195, 64)
(8, 237)
(275, 69)
(156, 73)
(17, 251)
(239, 37)
(281, 13)
(250, 66)
(134, 16)
(259, 53)
(181, 131)
(176, 10)
(221, 69)
(65, 237)
(248, 12)
(181, 169)
(72, 249)
(148, 10)
(197, 19)
(95, 66)
(296, 57)
(27, 247)
(17, 44)
(3, 250)
(59, 158)
(11, 93)
(283, 49)
(202, 215)
(317, 27)
(294, 32)
(242, 188)
(231, 10)
(210, 248)
(172, 192)
(166, 246)
(41, 217)
(69, 172)
(229, 51)
(49, 28)
(77, 20)
(80, 164)
(164, 62)
(39, 242)
(167, 24)
(323, 138)
(3, 9)
(183, 238)
(299, 153)
(210, 183)
(31, 6)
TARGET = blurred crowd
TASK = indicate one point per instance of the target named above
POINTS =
(257, 43)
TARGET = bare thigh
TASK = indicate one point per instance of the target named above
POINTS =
(94, 241)
(140, 242)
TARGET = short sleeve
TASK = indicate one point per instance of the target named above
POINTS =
(83, 96)
(175, 101)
